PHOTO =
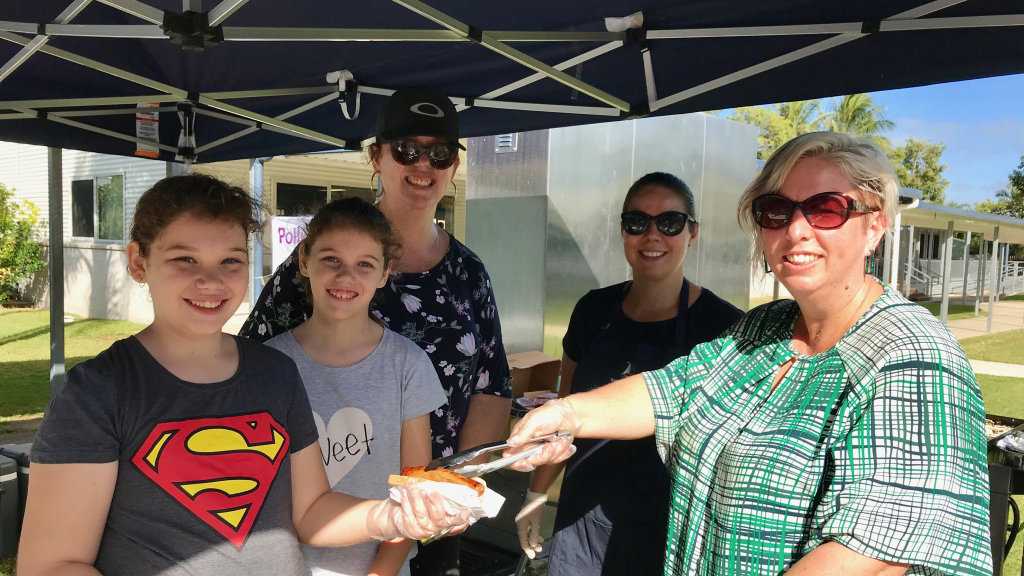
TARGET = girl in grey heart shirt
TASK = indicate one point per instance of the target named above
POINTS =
(372, 390)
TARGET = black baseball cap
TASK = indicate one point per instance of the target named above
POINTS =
(418, 112)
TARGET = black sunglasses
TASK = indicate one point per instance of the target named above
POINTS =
(669, 223)
(441, 155)
(824, 211)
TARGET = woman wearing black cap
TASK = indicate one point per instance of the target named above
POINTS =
(440, 297)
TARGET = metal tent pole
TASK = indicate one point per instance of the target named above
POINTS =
(1003, 262)
(947, 270)
(56, 272)
(908, 275)
(805, 52)
(994, 263)
(979, 293)
(256, 191)
(887, 257)
(967, 264)
(893, 263)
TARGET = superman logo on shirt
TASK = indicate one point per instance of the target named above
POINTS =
(220, 469)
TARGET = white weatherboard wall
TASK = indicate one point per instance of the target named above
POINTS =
(96, 281)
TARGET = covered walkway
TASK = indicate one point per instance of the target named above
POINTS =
(930, 258)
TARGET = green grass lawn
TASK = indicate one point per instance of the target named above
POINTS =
(25, 353)
(1003, 396)
(24, 362)
(1016, 297)
(1002, 347)
(956, 311)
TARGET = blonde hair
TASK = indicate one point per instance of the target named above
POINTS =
(862, 162)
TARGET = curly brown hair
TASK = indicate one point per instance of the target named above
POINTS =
(354, 213)
(198, 194)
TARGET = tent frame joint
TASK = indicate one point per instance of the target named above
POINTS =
(871, 27)
(636, 111)
(637, 37)
(191, 30)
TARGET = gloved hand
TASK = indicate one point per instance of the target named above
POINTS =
(420, 515)
(528, 523)
(554, 416)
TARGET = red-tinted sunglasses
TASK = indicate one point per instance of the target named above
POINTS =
(824, 211)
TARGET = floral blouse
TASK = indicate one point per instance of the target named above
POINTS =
(877, 443)
(449, 311)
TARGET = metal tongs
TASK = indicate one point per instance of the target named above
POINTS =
(459, 463)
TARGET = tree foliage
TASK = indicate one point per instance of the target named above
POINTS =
(775, 130)
(803, 115)
(857, 114)
(1010, 200)
(20, 255)
(919, 165)
(854, 114)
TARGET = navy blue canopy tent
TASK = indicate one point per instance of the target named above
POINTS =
(260, 78)
(230, 79)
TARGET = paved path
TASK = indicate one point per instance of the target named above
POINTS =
(1009, 315)
(998, 368)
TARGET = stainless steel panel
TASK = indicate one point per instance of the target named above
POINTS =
(508, 235)
(590, 168)
(522, 172)
(730, 164)
(584, 172)
(505, 225)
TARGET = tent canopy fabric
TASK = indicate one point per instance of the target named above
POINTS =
(686, 56)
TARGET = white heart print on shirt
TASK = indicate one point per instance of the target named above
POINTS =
(346, 438)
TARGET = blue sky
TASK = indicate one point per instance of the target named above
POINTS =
(981, 122)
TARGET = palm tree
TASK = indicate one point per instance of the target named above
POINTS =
(858, 114)
(803, 115)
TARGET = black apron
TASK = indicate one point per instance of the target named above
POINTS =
(613, 509)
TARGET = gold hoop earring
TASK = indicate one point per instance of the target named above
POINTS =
(377, 187)
(455, 188)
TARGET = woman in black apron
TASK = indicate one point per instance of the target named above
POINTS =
(612, 511)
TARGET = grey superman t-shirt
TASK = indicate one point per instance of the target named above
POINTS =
(359, 411)
(204, 470)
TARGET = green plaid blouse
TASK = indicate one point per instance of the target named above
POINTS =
(877, 443)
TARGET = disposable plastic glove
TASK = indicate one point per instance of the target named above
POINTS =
(528, 523)
(420, 515)
(554, 416)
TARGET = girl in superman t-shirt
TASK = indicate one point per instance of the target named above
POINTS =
(184, 450)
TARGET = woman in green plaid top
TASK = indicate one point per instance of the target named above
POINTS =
(838, 433)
